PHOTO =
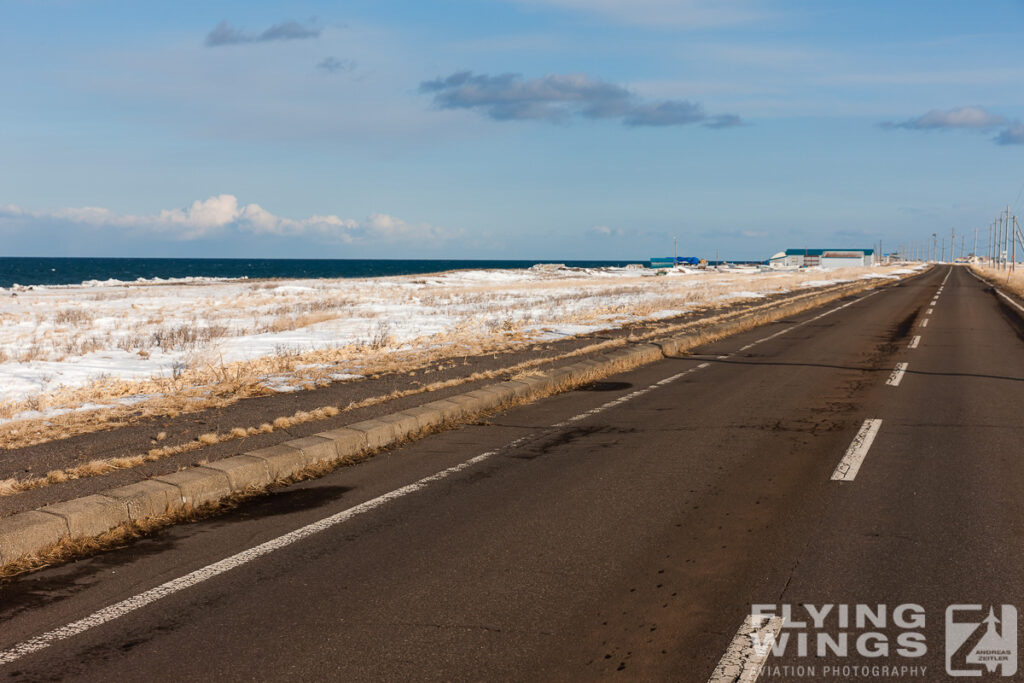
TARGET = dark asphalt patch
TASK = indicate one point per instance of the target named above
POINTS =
(567, 437)
(606, 386)
(285, 501)
(903, 328)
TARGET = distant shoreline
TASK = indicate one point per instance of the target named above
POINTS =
(29, 271)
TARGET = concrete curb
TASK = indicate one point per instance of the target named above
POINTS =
(27, 535)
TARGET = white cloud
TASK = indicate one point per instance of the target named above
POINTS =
(222, 213)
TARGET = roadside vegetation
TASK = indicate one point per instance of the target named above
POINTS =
(1013, 280)
(76, 359)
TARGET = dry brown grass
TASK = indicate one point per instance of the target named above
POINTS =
(160, 319)
(68, 549)
(1012, 280)
(213, 385)
(102, 466)
(748, 317)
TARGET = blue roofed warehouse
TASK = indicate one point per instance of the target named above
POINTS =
(824, 258)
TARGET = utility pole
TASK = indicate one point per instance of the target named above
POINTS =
(975, 252)
(962, 237)
(999, 241)
(942, 253)
(1004, 244)
(934, 253)
(952, 244)
(1002, 241)
(992, 244)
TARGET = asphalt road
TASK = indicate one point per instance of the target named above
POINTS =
(624, 531)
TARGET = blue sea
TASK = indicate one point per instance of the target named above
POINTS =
(73, 271)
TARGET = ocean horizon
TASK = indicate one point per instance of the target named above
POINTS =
(34, 270)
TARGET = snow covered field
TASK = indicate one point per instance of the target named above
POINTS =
(111, 344)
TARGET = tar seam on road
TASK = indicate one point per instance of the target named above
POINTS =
(914, 342)
(848, 467)
(897, 375)
(748, 651)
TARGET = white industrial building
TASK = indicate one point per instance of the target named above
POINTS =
(824, 258)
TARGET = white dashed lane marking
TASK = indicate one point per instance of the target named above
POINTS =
(914, 342)
(748, 651)
(897, 375)
(751, 664)
(848, 467)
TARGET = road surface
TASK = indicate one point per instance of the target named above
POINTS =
(867, 453)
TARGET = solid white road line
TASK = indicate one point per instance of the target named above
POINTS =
(129, 605)
(810, 320)
(1000, 293)
(914, 342)
(1011, 301)
(764, 339)
(848, 467)
(136, 602)
(924, 323)
(748, 651)
(630, 396)
(897, 375)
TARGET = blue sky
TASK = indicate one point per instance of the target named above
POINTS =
(555, 129)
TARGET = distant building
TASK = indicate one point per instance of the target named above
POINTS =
(670, 261)
(824, 258)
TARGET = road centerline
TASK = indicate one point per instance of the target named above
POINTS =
(848, 467)
(897, 375)
(748, 651)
